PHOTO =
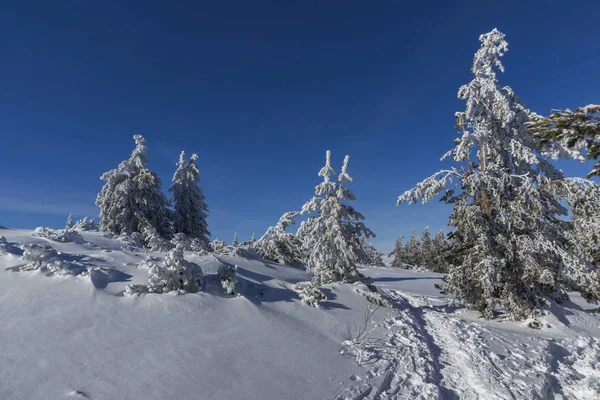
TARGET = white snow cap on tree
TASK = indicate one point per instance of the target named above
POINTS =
(279, 245)
(235, 242)
(132, 194)
(190, 209)
(69, 223)
(332, 238)
(507, 203)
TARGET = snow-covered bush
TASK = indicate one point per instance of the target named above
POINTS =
(131, 199)
(45, 258)
(175, 274)
(279, 245)
(37, 256)
(59, 235)
(85, 224)
(135, 290)
(309, 293)
(64, 268)
(190, 209)
(218, 246)
(132, 241)
(373, 297)
(228, 276)
(508, 217)
(363, 346)
(332, 238)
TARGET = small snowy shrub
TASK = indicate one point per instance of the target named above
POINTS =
(228, 277)
(309, 293)
(131, 241)
(135, 290)
(218, 246)
(85, 224)
(64, 268)
(279, 245)
(362, 346)
(46, 258)
(37, 256)
(175, 274)
(59, 235)
(374, 297)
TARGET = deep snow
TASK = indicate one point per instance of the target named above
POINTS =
(79, 337)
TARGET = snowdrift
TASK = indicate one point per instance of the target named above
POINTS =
(77, 335)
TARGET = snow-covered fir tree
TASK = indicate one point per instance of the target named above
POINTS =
(507, 203)
(438, 259)
(277, 244)
(413, 250)
(252, 239)
(190, 209)
(69, 223)
(422, 252)
(399, 254)
(426, 248)
(235, 242)
(132, 194)
(332, 237)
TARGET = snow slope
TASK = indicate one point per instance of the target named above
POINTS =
(79, 337)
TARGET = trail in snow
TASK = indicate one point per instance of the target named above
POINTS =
(405, 363)
(429, 353)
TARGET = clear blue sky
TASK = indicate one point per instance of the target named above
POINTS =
(260, 89)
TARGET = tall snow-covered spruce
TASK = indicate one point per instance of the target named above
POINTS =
(190, 209)
(332, 238)
(132, 198)
(507, 203)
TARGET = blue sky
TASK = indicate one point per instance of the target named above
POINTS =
(260, 90)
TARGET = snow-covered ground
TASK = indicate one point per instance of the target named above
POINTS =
(79, 337)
